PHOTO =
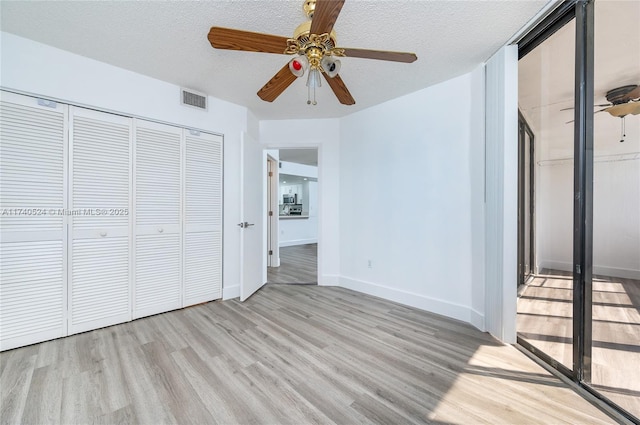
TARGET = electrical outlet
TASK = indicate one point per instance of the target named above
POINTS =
(369, 265)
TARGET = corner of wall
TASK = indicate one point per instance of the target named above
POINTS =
(230, 292)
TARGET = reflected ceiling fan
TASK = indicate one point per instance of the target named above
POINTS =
(623, 101)
(314, 47)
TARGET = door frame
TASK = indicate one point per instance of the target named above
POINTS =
(273, 252)
(318, 147)
(525, 129)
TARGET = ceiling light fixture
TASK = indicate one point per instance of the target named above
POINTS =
(315, 51)
(313, 46)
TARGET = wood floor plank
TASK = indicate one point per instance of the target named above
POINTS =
(298, 265)
(173, 387)
(45, 397)
(15, 382)
(210, 387)
(377, 412)
(291, 354)
(123, 416)
(146, 405)
(545, 319)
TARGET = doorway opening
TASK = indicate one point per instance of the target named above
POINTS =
(292, 237)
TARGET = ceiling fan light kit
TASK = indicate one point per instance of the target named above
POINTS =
(313, 43)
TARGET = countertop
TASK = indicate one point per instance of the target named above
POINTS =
(292, 216)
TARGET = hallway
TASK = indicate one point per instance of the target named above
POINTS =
(298, 265)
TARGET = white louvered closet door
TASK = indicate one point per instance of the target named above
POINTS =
(203, 218)
(158, 230)
(99, 289)
(32, 224)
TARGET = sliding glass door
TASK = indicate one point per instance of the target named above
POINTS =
(546, 99)
(615, 351)
(579, 304)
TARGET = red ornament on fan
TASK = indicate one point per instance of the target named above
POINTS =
(298, 65)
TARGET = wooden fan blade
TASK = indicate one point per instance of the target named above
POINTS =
(276, 85)
(230, 39)
(381, 55)
(632, 95)
(596, 106)
(596, 112)
(340, 89)
(621, 110)
(325, 15)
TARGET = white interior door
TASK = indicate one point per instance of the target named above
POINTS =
(33, 281)
(99, 279)
(252, 242)
(158, 231)
(203, 217)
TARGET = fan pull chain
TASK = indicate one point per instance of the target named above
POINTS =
(309, 102)
(623, 131)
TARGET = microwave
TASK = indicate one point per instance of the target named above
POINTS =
(288, 199)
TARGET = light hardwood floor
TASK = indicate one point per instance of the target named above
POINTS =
(545, 320)
(298, 264)
(291, 354)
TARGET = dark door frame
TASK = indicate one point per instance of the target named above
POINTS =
(523, 130)
(583, 12)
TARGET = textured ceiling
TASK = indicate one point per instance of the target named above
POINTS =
(168, 41)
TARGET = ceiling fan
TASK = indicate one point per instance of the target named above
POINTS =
(314, 47)
(623, 101)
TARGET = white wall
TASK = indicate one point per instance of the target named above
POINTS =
(411, 199)
(298, 231)
(294, 133)
(34, 68)
(616, 212)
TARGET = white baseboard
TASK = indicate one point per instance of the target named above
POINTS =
(600, 270)
(555, 265)
(617, 272)
(329, 280)
(433, 305)
(230, 292)
(297, 242)
(477, 320)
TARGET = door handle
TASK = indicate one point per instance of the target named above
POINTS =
(245, 225)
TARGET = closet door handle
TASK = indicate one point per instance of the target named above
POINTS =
(103, 234)
(160, 230)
